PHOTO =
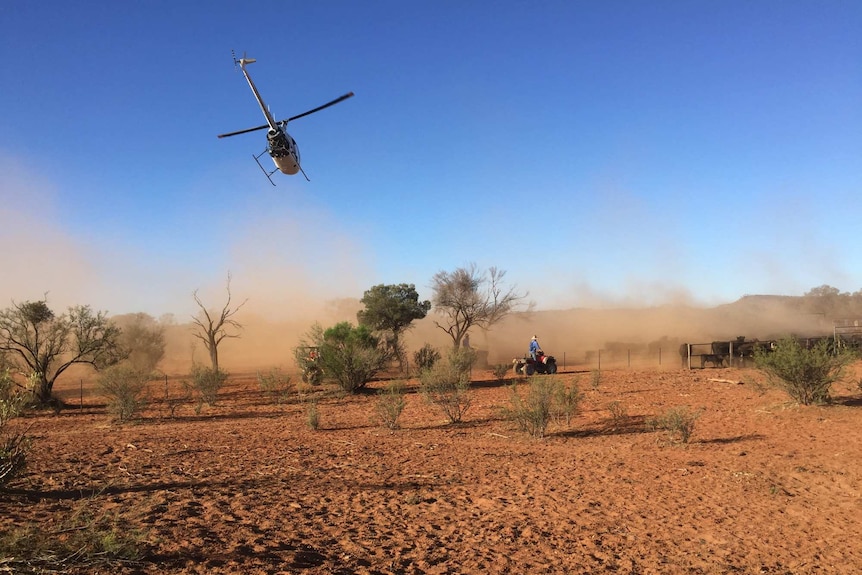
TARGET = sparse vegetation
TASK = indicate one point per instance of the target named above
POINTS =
(125, 389)
(618, 411)
(426, 357)
(679, 422)
(13, 447)
(500, 371)
(533, 413)
(447, 385)
(806, 375)
(595, 379)
(277, 385)
(390, 404)
(204, 385)
(568, 401)
(351, 355)
(546, 399)
(86, 540)
(312, 415)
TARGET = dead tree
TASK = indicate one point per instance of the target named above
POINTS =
(212, 328)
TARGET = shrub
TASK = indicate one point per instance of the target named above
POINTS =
(568, 401)
(678, 421)
(14, 447)
(205, 384)
(463, 359)
(351, 355)
(533, 413)
(595, 379)
(13, 456)
(275, 384)
(806, 375)
(546, 399)
(447, 385)
(618, 411)
(12, 398)
(500, 370)
(390, 404)
(312, 416)
(125, 388)
(426, 357)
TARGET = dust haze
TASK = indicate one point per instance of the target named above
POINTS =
(291, 267)
(576, 334)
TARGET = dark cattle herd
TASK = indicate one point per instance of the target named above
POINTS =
(740, 352)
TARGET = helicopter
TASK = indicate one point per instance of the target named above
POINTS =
(279, 144)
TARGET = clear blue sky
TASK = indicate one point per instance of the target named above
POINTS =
(602, 152)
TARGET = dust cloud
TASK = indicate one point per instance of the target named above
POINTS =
(575, 334)
(38, 257)
(294, 267)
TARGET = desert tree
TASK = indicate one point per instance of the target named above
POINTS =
(212, 327)
(468, 297)
(43, 345)
(143, 337)
(390, 310)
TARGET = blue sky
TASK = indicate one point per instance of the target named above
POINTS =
(602, 152)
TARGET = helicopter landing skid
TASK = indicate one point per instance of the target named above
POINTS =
(262, 169)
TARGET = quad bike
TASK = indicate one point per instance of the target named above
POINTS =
(312, 372)
(542, 364)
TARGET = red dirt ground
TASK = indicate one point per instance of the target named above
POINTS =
(764, 486)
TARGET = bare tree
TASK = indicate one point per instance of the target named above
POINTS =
(212, 328)
(469, 298)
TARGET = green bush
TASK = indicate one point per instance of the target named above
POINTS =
(500, 370)
(546, 399)
(568, 401)
(447, 385)
(426, 357)
(462, 359)
(534, 412)
(125, 389)
(618, 411)
(205, 384)
(678, 421)
(390, 404)
(806, 375)
(351, 355)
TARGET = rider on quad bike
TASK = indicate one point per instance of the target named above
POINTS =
(537, 362)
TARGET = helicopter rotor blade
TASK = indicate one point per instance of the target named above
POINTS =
(247, 130)
(319, 108)
(283, 122)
